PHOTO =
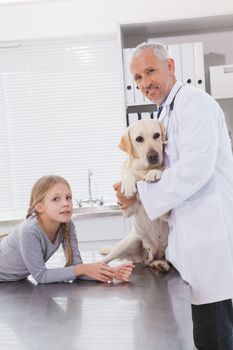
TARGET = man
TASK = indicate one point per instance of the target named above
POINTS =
(197, 186)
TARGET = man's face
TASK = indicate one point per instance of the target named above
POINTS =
(154, 77)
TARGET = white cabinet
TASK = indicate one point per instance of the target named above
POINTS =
(221, 81)
(95, 232)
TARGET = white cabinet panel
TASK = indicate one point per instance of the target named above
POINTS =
(221, 81)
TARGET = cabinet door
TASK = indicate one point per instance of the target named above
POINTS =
(94, 232)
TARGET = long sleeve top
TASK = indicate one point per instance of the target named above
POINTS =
(25, 251)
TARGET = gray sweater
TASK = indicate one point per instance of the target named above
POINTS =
(25, 251)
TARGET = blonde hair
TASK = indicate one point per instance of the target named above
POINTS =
(39, 190)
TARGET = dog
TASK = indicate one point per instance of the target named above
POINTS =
(146, 243)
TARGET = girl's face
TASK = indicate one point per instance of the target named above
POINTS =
(57, 205)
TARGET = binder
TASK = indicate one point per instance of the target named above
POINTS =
(199, 65)
(128, 80)
(175, 53)
(139, 98)
(187, 62)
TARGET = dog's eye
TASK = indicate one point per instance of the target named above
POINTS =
(156, 135)
(139, 139)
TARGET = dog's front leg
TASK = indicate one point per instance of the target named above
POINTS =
(128, 183)
(130, 247)
(160, 265)
(153, 175)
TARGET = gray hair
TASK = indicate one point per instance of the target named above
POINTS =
(159, 50)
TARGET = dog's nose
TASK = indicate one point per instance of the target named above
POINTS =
(153, 157)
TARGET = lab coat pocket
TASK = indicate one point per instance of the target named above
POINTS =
(200, 221)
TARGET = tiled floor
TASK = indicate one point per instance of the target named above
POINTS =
(150, 312)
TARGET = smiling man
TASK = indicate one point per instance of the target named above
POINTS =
(197, 186)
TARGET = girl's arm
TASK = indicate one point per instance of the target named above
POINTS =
(102, 272)
(32, 249)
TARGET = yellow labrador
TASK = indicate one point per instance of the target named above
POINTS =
(147, 241)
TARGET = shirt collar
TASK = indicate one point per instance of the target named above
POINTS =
(169, 98)
(172, 93)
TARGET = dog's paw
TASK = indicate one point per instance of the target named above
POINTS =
(104, 250)
(153, 175)
(128, 186)
(160, 265)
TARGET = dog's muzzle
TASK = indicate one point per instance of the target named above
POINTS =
(153, 157)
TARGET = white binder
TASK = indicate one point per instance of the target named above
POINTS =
(175, 53)
(199, 65)
(128, 80)
(187, 62)
(139, 98)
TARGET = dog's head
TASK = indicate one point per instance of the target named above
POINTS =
(144, 141)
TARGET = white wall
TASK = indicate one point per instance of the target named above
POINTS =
(54, 18)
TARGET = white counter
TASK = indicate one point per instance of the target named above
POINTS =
(96, 226)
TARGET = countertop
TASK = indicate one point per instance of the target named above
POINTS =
(150, 312)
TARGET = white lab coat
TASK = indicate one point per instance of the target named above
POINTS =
(198, 186)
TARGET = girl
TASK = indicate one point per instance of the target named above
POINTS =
(48, 224)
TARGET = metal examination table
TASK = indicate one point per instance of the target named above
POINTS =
(150, 312)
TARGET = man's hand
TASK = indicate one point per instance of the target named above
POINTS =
(122, 200)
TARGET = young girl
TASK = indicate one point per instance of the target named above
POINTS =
(48, 224)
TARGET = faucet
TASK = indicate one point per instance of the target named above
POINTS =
(91, 201)
(90, 173)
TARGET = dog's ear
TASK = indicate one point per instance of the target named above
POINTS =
(125, 143)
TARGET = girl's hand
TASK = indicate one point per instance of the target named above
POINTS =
(98, 271)
(123, 272)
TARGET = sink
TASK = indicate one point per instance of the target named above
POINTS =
(97, 210)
